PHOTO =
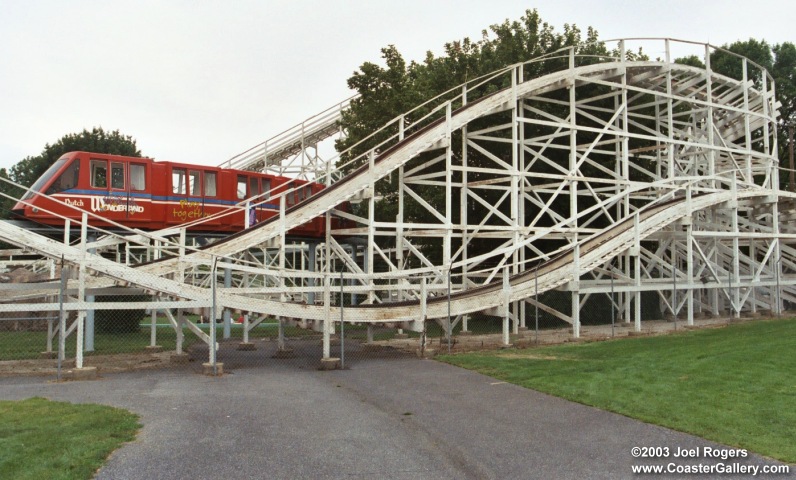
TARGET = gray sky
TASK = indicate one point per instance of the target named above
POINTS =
(199, 81)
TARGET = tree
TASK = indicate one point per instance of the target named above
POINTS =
(31, 168)
(758, 51)
(784, 73)
(780, 61)
(389, 91)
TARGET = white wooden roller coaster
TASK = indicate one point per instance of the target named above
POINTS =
(607, 175)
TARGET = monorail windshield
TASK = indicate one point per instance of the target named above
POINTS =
(68, 179)
(45, 178)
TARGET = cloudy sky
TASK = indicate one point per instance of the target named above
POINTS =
(199, 81)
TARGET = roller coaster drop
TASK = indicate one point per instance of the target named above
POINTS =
(605, 174)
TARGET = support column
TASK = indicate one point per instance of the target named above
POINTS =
(89, 338)
(506, 307)
(227, 312)
(736, 267)
(311, 267)
(575, 295)
(635, 252)
(80, 372)
(180, 333)
(689, 233)
(463, 213)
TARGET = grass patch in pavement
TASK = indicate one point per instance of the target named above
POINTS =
(40, 438)
(734, 385)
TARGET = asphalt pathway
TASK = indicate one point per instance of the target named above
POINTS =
(398, 418)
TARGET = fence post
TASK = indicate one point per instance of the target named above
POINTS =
(449, 332)
(227, 313)
(674, 295)
(327, 321)
(779, 294)
(212, 352)
(536, 303)
(423, 315)
(613, 315)
(81, 289)
(342, 324)
(179, 331)
(153, 328)
(280, 335)
(729, 294)
(506, 338)
(61, 319)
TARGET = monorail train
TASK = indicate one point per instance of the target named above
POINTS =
(148, 195)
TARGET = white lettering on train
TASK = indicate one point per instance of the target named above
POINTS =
(115, 204)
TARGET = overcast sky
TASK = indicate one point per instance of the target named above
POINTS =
(199, 81)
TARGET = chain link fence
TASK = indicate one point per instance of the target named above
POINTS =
(45, 328)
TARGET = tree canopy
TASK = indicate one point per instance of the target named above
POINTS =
(780, 61)
(386, 92)
(26, 171)
(395, 86)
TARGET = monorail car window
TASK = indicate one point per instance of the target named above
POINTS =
(137, 177)
(291, 195)
(254, 186)
(266, 188)
(241, 187)
(117, 176)
(178, 181)
(67, 179)
(196, 183)
(99, 174)
(210, 184)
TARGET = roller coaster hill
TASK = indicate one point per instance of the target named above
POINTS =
(608, 177)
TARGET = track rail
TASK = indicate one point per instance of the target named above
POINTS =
(594, 251)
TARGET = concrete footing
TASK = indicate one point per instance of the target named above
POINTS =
(426, 352)
(85, 373)
(207, 369)
(48, 355)
(247, 346)
(179, 358)
(466, 333)
(370, 347)
(330, 363)
(284, 353)
(154, 349)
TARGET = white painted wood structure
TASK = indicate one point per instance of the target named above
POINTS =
(605, 174)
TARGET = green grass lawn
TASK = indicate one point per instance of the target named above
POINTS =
(56, 440)
(733, 385)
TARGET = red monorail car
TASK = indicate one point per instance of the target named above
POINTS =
(148, 195)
